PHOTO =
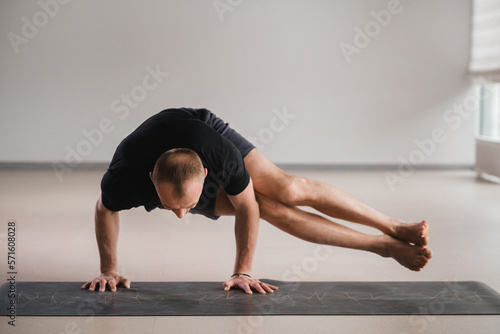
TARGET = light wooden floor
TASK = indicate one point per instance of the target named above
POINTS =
(56, 243)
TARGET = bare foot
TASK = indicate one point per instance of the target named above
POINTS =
(415, 233)
(412, 257)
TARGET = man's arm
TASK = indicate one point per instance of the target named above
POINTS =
(107, 226)
(246, 229)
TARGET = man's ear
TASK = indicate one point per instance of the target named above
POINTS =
(151, 176)
(206, 172)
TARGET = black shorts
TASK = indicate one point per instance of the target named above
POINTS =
(242, 144)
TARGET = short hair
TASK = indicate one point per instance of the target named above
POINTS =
(176, 166)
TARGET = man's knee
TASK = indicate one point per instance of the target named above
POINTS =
(293, 190)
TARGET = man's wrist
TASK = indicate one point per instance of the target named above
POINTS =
(240, 274)
(108, 270)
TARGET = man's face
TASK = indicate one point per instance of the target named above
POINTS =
(180, 205)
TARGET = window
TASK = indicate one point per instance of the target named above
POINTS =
(489, 117)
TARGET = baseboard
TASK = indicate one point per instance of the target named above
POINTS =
(368, 167)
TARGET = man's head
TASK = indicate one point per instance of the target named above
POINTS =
(178, 177)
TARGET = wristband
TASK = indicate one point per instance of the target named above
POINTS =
(241, 275)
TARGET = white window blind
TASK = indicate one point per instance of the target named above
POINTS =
(485, 48)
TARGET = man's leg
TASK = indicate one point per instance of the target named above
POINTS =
(292, 190)
(314, 228)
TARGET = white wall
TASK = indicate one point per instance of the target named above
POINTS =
(242, 64)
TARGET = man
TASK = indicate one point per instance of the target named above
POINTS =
(188, 160)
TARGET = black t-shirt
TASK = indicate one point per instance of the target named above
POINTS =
(127, 184)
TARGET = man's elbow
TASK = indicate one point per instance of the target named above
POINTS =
(249, 211)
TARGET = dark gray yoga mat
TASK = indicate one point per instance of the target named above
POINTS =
(292, 298)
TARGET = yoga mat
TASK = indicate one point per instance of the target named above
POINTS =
(292, 298)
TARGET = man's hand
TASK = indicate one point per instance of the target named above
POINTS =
(247, 284)
(113, 279)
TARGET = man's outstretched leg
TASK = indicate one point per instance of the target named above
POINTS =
(292, 190)
(314, 228)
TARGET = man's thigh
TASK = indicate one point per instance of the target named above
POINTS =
(267, 178)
